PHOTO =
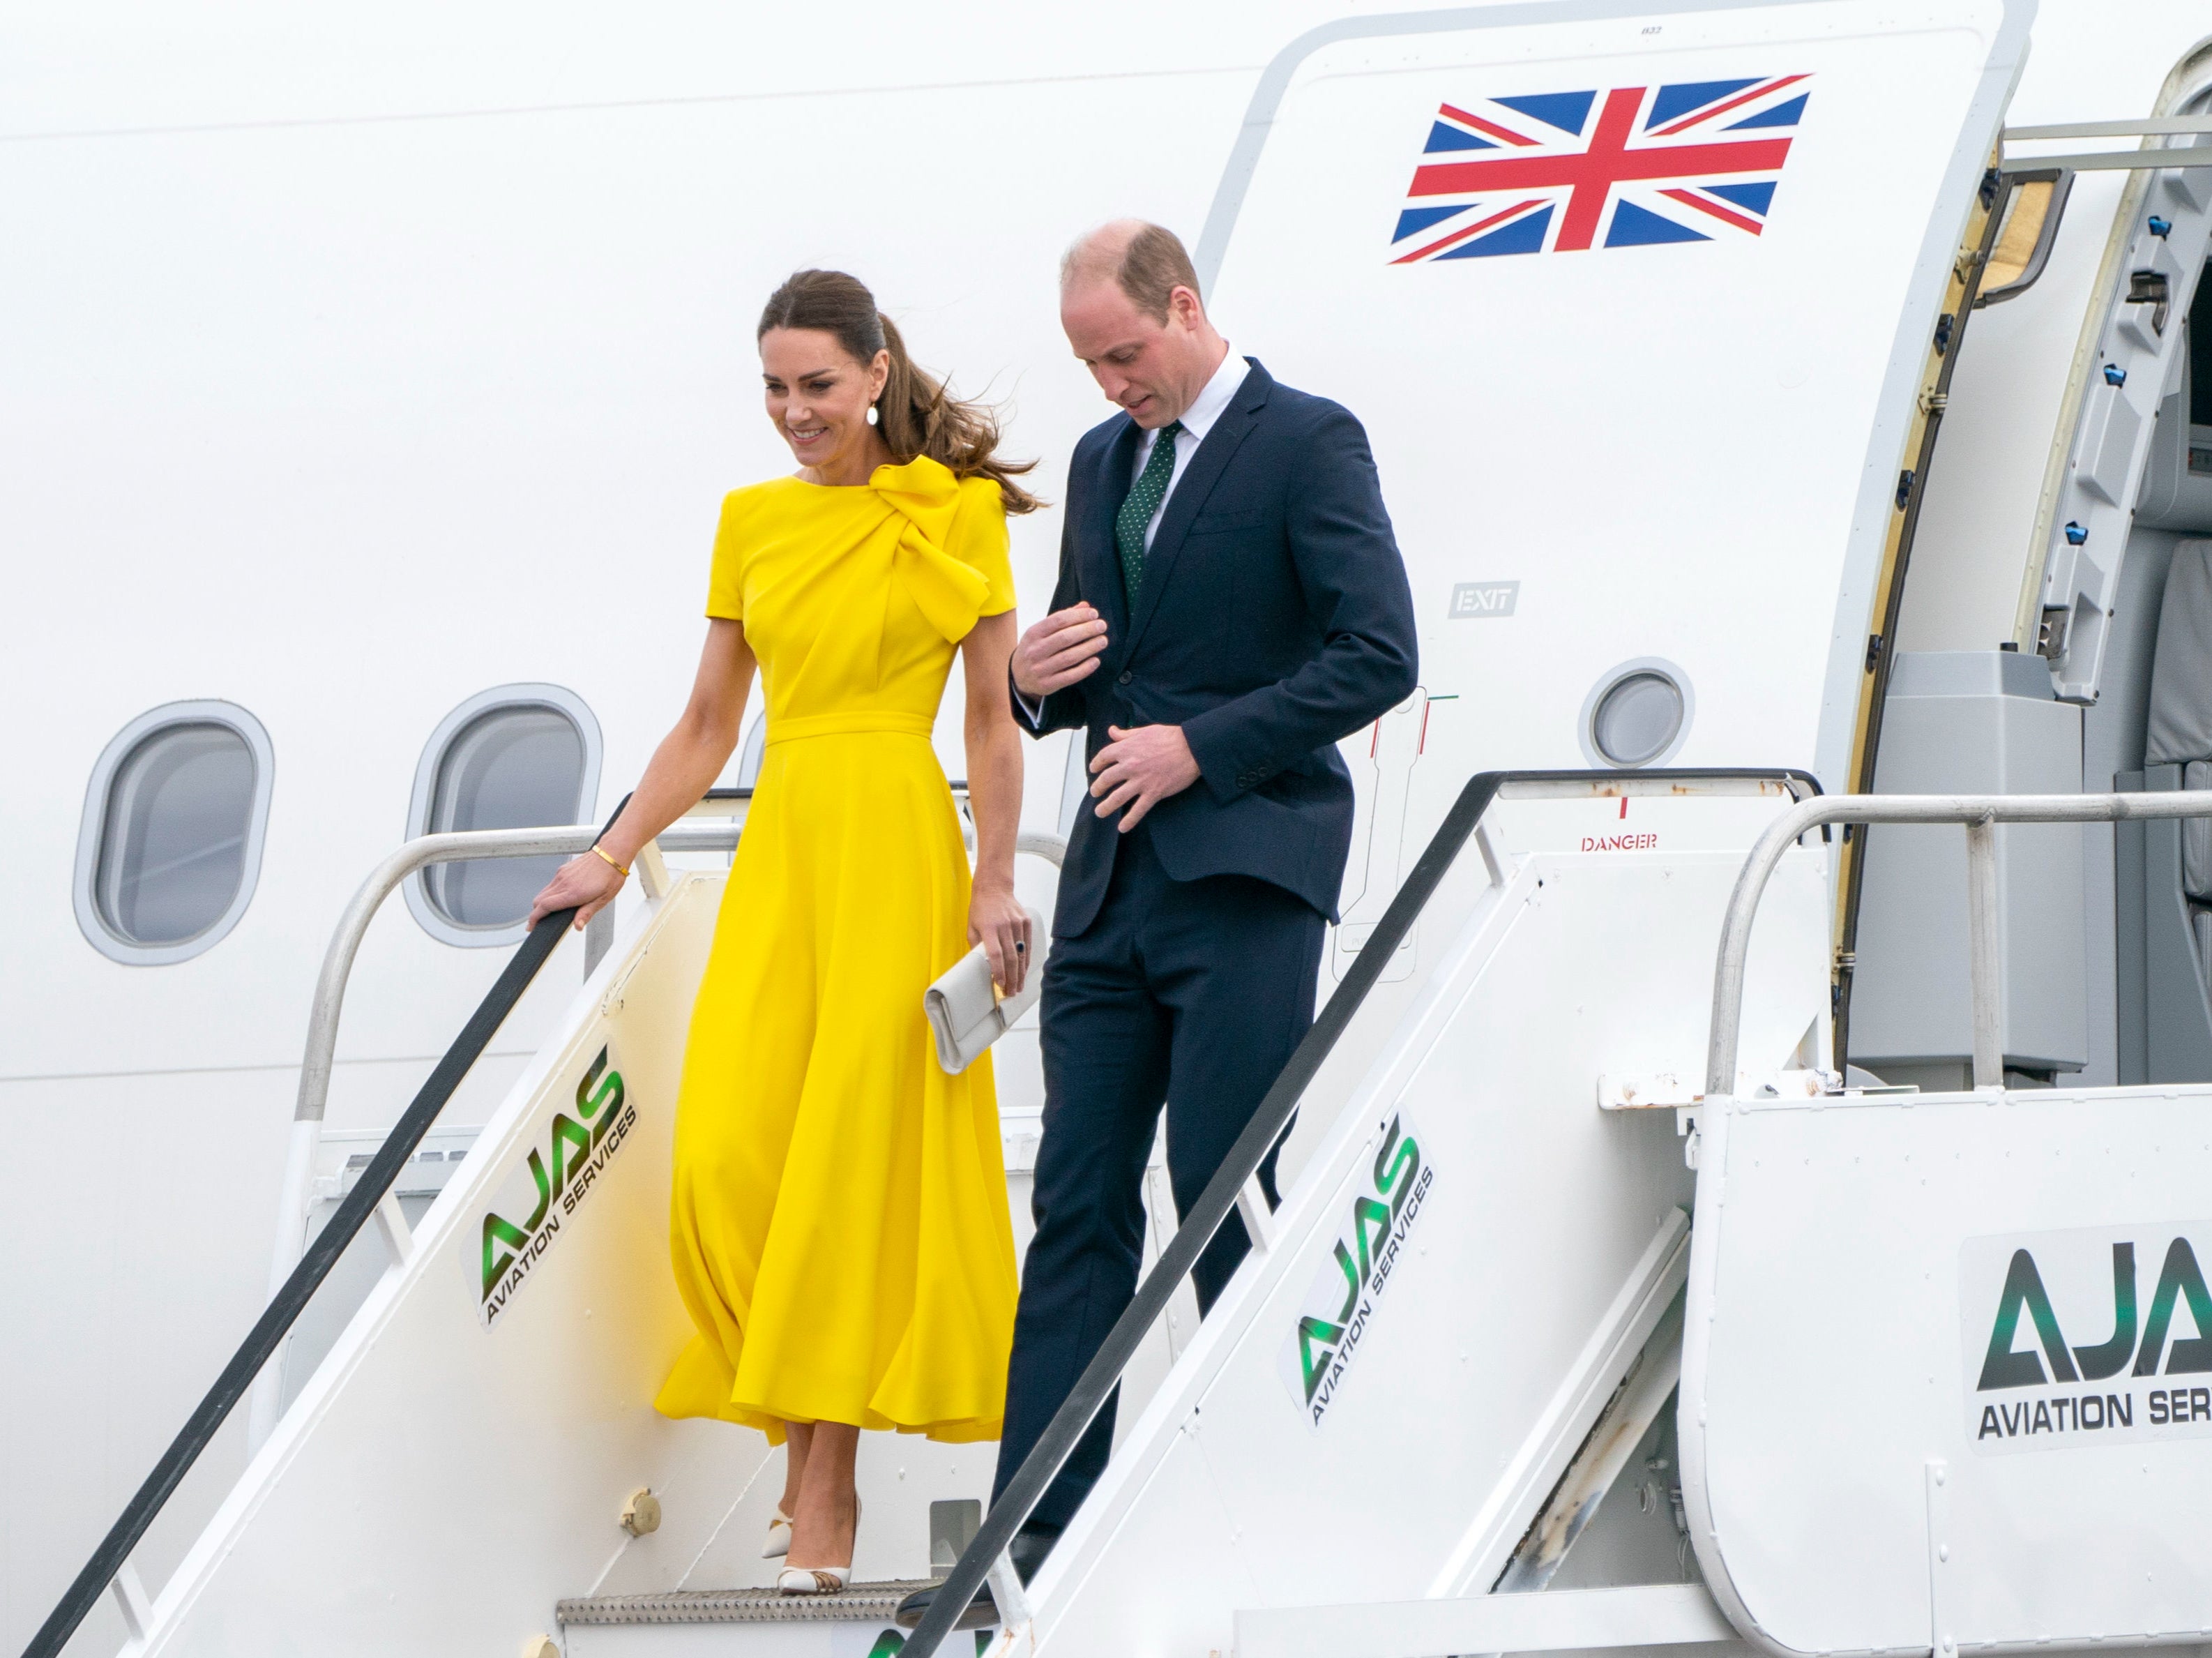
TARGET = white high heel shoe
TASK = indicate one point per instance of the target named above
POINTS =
(779, 1537)
(813, 1580)
(820, 1579)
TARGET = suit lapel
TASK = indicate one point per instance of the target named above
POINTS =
(1102, 572)
(1190, 493)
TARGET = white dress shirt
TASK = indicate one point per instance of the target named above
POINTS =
(1197, 421)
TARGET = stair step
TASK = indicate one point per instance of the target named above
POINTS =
(858, 1603)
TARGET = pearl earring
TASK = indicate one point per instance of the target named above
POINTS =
(872, 414)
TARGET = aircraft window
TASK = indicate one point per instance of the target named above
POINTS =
(170, 846)
(1637, 715)
(2029, 206)
(517, 757)
(2034, 206)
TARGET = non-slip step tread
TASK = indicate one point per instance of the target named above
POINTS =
(859, 1603)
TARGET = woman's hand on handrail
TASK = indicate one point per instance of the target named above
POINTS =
(586, 884)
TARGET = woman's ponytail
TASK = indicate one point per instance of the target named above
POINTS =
(915, 413)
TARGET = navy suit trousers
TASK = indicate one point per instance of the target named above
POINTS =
(1194, 993)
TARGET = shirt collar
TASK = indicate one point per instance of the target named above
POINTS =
(1208, 406)
(1213, 400)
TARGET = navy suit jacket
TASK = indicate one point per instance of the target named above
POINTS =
(1274, 620)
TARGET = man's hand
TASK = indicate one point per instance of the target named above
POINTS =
(1138, 770)
(1058, 651)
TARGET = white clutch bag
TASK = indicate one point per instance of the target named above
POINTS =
(966, 1012)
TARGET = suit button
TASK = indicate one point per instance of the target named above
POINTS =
(1129, 679)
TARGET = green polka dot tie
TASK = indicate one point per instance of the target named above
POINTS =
(1140, 503)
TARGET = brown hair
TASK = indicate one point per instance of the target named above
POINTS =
(916, 414)
(1151, 265)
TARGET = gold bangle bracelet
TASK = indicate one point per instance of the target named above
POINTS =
(611, 863)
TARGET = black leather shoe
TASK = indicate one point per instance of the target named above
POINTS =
(983, 1612)
(1028, 1551)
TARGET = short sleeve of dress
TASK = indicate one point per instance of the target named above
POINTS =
(978, 541)
(726, 586)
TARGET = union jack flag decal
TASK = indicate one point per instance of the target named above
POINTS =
(1566, 171)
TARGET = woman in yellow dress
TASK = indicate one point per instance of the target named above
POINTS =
(839, 1225)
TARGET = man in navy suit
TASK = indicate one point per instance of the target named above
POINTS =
(1230, 604)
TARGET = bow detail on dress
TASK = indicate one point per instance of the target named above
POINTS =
(949, 594)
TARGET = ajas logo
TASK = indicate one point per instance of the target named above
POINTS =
(1340, 1306)
(2031, 1386)
(561, 1174)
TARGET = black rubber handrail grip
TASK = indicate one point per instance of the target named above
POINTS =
(316, 1261)
(1104, 1373)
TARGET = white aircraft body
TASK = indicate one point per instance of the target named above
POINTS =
(1776, 400)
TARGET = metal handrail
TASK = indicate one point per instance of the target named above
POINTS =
(2114, 160)
(296, 1279)
(419, 853)
(295, 1191)
(2155, 125)
(1979, 813)
(111, 1558)
(986, 1557)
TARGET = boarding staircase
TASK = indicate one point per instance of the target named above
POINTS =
(1440, 1382)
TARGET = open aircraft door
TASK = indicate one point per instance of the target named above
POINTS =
(1641, 312)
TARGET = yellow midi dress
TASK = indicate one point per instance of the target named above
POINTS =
(839, 1224)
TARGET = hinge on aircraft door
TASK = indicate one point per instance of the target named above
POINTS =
(2149, 288)
(2050, 632)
